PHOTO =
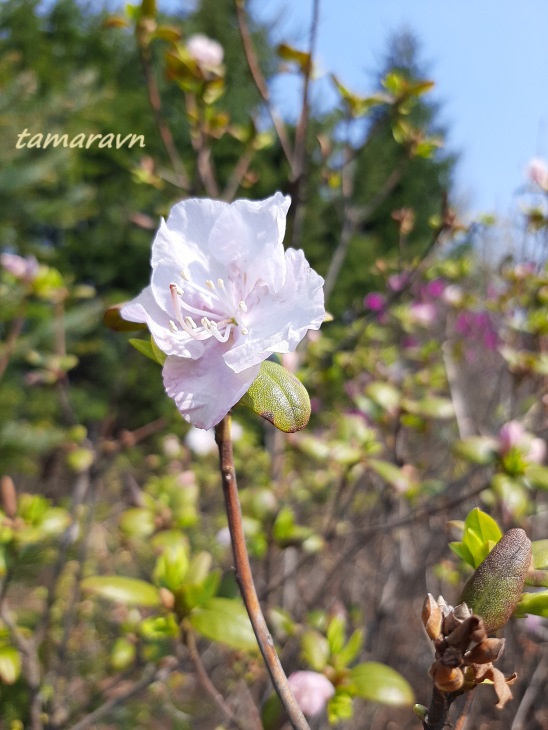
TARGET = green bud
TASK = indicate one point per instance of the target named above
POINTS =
(495, 588)
(279, 397)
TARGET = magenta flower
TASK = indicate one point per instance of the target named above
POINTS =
(223, 297)
(374, 301)
(311, 690)
(478, 326)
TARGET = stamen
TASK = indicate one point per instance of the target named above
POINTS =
(176, 304)
(244, 331)
(185, 273)
(243, 306)
(220, 284)
(172, 326)
(191, 322)
(210, 284)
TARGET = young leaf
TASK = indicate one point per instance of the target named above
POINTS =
(379, 683)
(127, 591)
(224, 620)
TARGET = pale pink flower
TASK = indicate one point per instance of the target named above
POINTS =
(513, 435)
(223, 297)
(453, 295)
(423, 313)
(311, 690)
(201, 442)
(538, 172)
(537, 451)
(510, 436)
(25, 269)
(205, 51)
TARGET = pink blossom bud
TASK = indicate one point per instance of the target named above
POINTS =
(397, 282)
(311, 690)
(205, 51)
(510, 436)
(538, 172)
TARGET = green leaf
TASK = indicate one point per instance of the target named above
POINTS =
(463, 551)
(149, 349)
(171, 567)
(384, 395)
(495, 588)
(540, 553)
(482, 525)
(336, 634)
(535, 603)
(391, 474)
(279, 397)
(433, 407)
(302, 59)
(476, 449)
(537, 475)
(351, 650)
(226, 621)
(54, 521)
(137, 522)
(128, 591)
(315, 650)
(10, 664)
(123, 654)
(379, 683)
(339, 707)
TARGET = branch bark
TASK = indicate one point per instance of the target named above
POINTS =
(245, 577)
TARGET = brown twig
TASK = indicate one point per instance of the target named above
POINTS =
(260, 83)
(189, 640)
(245, 577)
(151, 674)
(354, 217)
(155, 102)
(299, 150)
(438, 712)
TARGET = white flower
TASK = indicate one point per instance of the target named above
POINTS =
(205, 51)
(223, 297)
(311, 690)
(200, 442)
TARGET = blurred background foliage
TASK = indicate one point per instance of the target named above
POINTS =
(433, 350)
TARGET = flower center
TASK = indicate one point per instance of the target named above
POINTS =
(211, 306)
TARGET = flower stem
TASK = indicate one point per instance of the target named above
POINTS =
(245, 577)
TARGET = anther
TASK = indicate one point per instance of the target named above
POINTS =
(243, 306)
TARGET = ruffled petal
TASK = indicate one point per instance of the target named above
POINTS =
(205, 390)
(144, 308)
(247, 239)
(278, 322)
(182, 242)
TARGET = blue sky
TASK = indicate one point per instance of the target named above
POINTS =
(489, 60)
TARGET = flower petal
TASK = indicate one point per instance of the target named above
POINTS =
(145, 309)
(277, 322)
(205, 390)
(182, 242)
(248, 236)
